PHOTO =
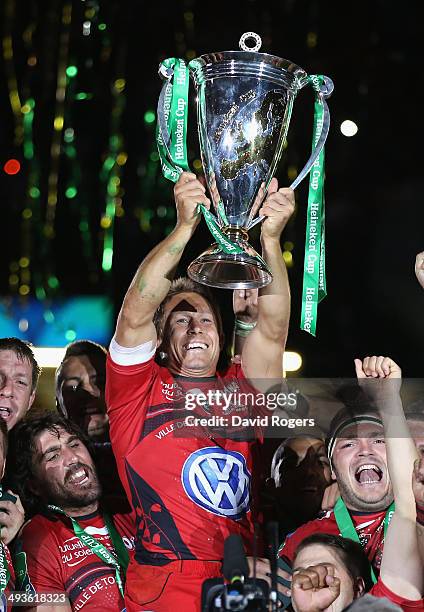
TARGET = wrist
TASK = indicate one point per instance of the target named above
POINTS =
(270, 239)
(184, 231)
(242, 328)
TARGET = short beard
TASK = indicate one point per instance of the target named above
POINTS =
(356, 504)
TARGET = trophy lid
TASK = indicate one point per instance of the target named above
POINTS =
(248, 62)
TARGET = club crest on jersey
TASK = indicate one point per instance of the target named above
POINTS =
(171, 390)
(218, 481)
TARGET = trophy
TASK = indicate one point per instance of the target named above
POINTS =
(244, 104)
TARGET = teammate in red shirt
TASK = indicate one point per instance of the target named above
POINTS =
(188, 494)
(358, 458)
(72, 546)
(58, 562)
(318, 579)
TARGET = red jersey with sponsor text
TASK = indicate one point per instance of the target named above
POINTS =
(369, 527)
(189, 493)
(58, 562)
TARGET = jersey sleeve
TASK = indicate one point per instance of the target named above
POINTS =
(128, 389)
(407, 605)
(43, 565)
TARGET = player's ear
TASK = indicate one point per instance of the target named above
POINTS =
(358, 587)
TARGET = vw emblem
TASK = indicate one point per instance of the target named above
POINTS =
(218, 481)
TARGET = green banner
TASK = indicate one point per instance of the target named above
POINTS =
(173, 155)
(119, 563)
(314, 281)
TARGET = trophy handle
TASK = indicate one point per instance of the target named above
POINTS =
(166, 74)
(163, 129)
(326, 89)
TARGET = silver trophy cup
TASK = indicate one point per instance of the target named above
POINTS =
(244, 104)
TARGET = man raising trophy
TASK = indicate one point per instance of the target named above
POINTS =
(192, 488)
(181, 527)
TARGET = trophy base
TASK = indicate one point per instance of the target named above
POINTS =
(216, 268)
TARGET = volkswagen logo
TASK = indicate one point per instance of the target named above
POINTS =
(218, 481)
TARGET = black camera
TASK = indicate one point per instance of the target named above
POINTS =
(239, 592)
(249, 594)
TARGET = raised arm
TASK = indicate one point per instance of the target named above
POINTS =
(153, 278)
(401, 568)
(263, 349)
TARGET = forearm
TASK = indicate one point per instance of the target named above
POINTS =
(150, 285)
(238, 343)
(274, 299)
(401, 568)
(401, 451)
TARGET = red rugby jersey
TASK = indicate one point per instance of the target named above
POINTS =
(369, 526)
(58, 562)
(188, 493)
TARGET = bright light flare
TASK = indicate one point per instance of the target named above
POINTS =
(348, 128)
(48, 357)
(292, 361)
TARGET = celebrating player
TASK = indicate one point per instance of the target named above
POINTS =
(188, 493)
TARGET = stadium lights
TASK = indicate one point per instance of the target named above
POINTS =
(291, 361)
(48, 357)
(348, 128)
(51, 357)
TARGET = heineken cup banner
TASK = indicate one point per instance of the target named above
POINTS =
(244, 105)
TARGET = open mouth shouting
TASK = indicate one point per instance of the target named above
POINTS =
(78, 477)
(368, 474)
(5, 412)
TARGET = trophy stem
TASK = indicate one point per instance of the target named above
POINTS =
(245, 270)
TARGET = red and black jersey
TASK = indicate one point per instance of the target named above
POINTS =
(189, 489)
(369, 526)
(58, 562)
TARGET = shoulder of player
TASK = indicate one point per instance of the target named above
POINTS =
(128, 369)
(40, 531)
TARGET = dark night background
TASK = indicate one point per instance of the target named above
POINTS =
(374, 202)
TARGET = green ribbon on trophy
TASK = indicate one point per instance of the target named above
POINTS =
(314, 281)
(173, 154)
